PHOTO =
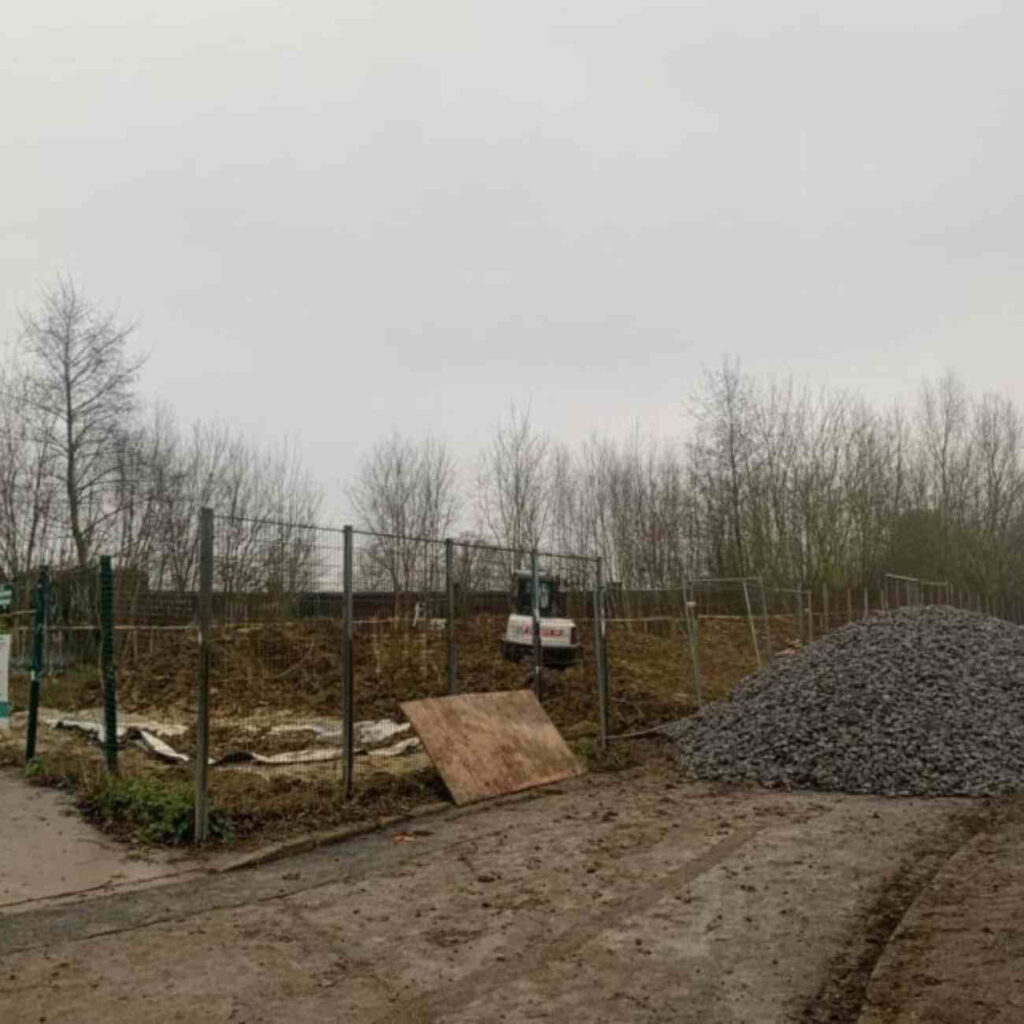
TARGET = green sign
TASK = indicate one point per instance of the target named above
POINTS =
(6, 597)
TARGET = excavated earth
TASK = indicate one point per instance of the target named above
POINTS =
(918, 702)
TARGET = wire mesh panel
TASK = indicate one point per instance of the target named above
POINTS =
(527, 621)
(434, 617)
(70, 685)
(673, 648)
(275, 652)
(399, 648)
(490, 654)
(155, 659)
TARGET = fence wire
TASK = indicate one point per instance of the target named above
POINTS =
(398, 651)
(275, 652)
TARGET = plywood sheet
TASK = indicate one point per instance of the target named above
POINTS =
(487, 744)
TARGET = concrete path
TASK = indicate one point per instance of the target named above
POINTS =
(48, 854)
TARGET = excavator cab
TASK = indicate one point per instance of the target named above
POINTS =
(551, 600)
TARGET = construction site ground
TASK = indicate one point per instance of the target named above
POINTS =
(627, 896)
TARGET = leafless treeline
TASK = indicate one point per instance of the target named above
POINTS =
(771, 479)
(84, 470)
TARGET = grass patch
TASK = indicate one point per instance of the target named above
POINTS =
(152, 804)
(149, 808)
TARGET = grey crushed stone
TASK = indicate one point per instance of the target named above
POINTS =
(916, 702)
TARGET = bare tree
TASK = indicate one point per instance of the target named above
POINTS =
(82, 394)
(26, 481)
(514, 484)
(408, 491)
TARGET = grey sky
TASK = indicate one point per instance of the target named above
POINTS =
(338, 219)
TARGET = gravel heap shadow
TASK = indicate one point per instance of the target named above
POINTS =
(917, 702)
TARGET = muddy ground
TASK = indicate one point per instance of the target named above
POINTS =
(616, 897)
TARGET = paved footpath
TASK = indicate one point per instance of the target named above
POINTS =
(48, 854)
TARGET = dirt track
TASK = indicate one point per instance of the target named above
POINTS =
(614, 898)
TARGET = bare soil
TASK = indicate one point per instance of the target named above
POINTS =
(616, 897)
(958, 954)
(293, 667)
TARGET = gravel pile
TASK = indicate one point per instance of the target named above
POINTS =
(925, 701)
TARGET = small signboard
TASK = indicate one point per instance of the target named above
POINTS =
(6, 597)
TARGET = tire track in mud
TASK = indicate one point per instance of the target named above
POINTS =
(841, 998)
(576, 932)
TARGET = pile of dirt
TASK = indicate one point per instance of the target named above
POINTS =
(923, 701)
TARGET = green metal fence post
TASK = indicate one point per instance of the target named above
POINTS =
(107, 660)
(38, 637)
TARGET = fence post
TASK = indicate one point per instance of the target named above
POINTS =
(347, 680)
(107, 661)
(449, 586)
(538, 652)
(767, 624)
(867, 604)
(800, 610)
(825, 621)
(810, 615)
(694, 624)
(750, 620)
(602, 674)
(44, 662)
(202, 763)
(38, 635)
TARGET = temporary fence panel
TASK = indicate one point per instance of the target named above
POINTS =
(399, 648)
(273, 647)
(63, 646)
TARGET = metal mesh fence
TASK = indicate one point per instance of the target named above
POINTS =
(399, 649)
(445, 617)
(275, 651)
(305, 619)
(154, 668)
(66, 652)
(313, 638)
(496, 644)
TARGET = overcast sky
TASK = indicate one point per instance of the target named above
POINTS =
(333, 220)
